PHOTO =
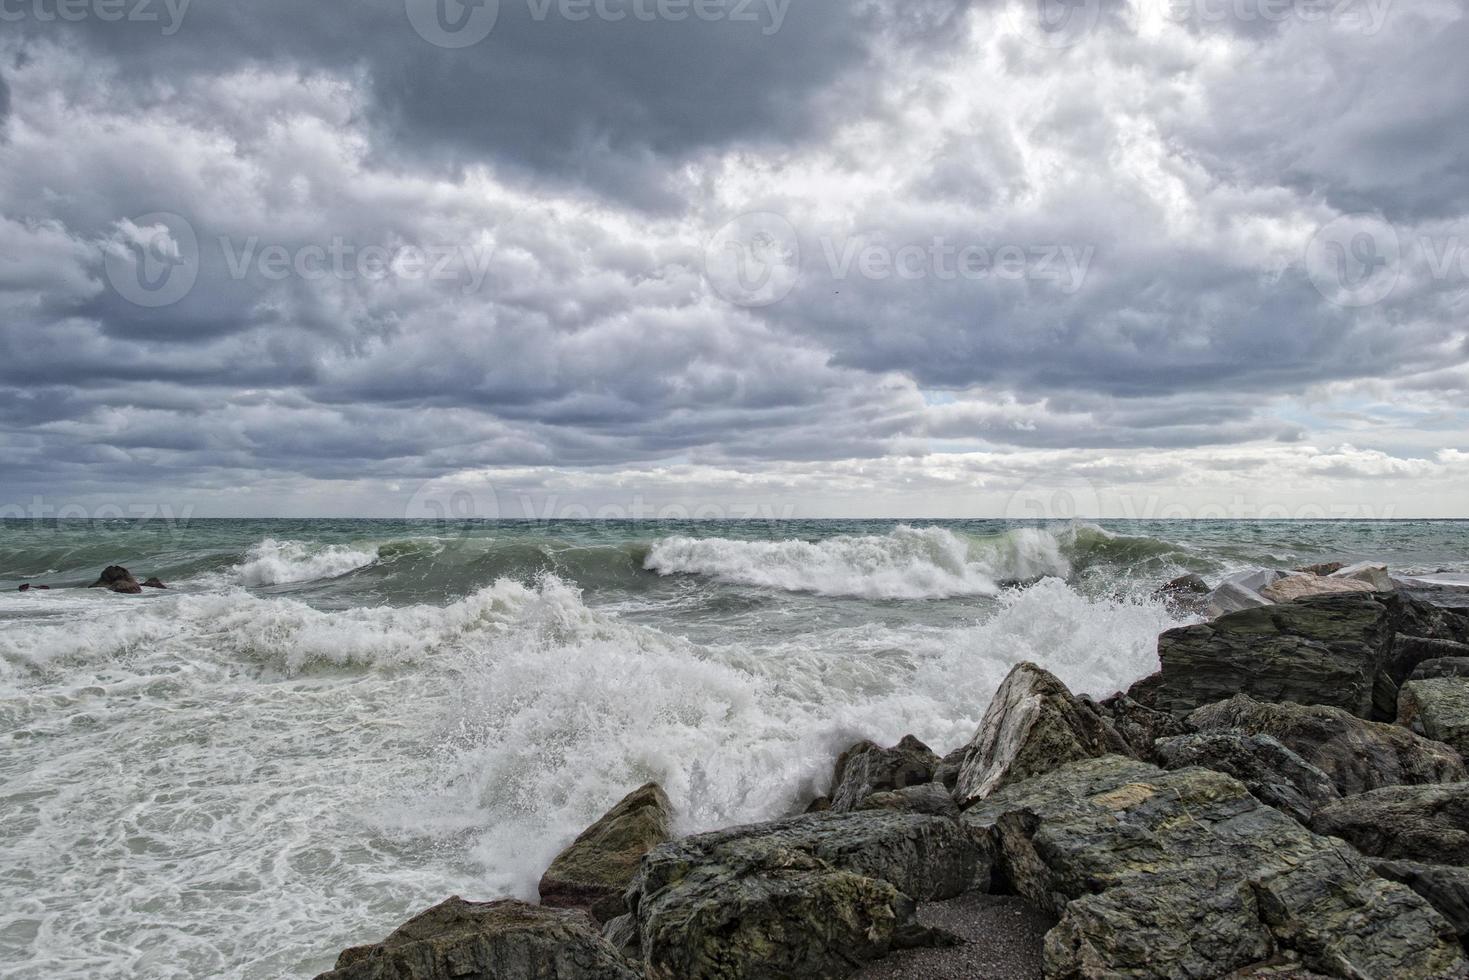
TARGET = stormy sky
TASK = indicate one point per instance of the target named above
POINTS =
(727, 258)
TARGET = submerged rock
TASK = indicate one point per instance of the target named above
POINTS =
(1276, 775)
(459, 940)
(868, 768)
(117, 579)
(594, 871)
(1412, 823)
(1185, 874)
(811, 896)
(1033, 725)
(1437, 708)
(1357, 755)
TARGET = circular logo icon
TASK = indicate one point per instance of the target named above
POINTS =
(154, 259)
(1062, 497)
(453, 23)
(755, 260)
(1054, 23)
(1355, 260)
(450, 508)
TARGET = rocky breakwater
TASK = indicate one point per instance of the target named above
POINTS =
(1269, 804)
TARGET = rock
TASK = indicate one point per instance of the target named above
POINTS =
(1409, 823)
(1357, 755)
(1273, 773)
(117, 579)
(1230, 597)
(154, 583)
(1186, 593)
(1185, 874)
(950, 766)
(867, 768)
(460, 940)
(1296, 586)
(811, 896)
(1324, 568)
(24, 588)
(1139, 725)
(1255, 581)
(594, 871)
(1032, 725)
(1368, 572)
(1342, 650)
(1454, 666)
(822, 804)
(1437, 708)
(1444, 886)
(930, 798)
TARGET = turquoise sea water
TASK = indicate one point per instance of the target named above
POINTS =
(324, 726)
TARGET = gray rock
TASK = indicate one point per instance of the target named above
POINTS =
(1032, 725)
(811, 896)
(1341, 650)
(1273, 773)
(1324, 568)
(1231, 597)
(596, 868)
(1185, 874)
(1139, 725)
(1455, 664)
(459, 940)
(1410, 823)
(1294, 587)
(868, 768)
(930, 798)
(950, 766)
(1357, 755)
(1369, 572)
(1256, 580)
(115, 578)
(1444, 886)
(1437, 708)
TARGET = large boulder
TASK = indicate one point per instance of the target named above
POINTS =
(1341, 650)
(1410, 823)
(1357, 755)
(1276, 775)
(459, 940)
(1186, 874)
(1370, 573)
(594, 871)
(868, 768)
(811, 896)
(115, 578)
(1437, 708)
(1033, 724)
(1444, 886)
(1231, 597)
(1294, 587)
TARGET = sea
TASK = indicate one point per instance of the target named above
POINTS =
(322, 727)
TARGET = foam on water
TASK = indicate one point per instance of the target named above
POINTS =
(273, 562)
(223, 783)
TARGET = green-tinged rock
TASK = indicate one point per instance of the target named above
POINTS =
(930, 798)
(1358, 755)
(1455, 665)
(459, 940)
(1032, 725)
(594, 871)
(1276, 776)
(812, 896)
(1437, 708)
(1414, 823)
(868, 768)
(1186, 874)
(1139, 725)
(1444, 886)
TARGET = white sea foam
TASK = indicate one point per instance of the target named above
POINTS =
(909, 563)
(273, 562)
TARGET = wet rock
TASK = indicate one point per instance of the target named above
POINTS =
(1357, 755)
(1437, 708)
(154, 583)
(950, 766)
(117, 579)
(1175, 874)
(594, 871)
(930, 798)
(1187, 593)
(1411, 823)
(1341, 650)
(1324, 568)
(459, 940)
(1443, 886)
(1298, 586)
(1231, 597)
(1370, 573)
(1273, 773)
(822, 804)
(1139, 725)
(1257, 580)
(1032, 725)
(1455, 665)
(868, 768)
(812, 896)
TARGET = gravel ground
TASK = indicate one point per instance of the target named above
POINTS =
(1002, 942)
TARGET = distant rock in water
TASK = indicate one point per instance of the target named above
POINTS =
(115, 578)
(34, 588)
(594, 871)
(154, 583)
(1325, 568)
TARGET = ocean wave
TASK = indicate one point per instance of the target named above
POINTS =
(273, 562)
